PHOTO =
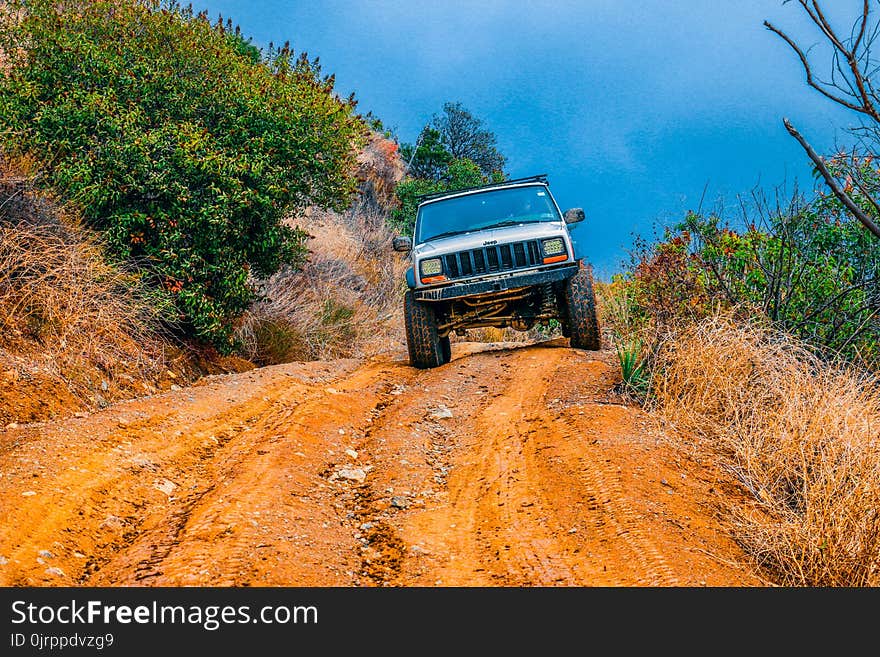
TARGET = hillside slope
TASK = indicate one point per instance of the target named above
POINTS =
(76, 332)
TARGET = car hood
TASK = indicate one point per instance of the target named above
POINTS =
(479, 238)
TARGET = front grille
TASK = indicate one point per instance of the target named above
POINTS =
(492, 259)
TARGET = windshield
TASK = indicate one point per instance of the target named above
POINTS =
(501, 207)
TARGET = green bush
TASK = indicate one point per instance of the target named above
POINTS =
(808, 268)
(180, 141)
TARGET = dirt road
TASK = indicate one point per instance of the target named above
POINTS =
(512, 465)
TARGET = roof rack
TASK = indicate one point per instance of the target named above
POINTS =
(541, 178)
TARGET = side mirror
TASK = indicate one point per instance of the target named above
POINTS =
(574, 215)
(402, 244)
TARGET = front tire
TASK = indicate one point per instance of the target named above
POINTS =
(580, 307)
(426, 347)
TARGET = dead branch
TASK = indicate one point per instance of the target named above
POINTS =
(859, 87)
(831, 181)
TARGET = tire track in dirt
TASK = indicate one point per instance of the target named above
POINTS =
(612, 528)
(113, 484)
(251, 527)
(491, 490)
(119, 504)
(486, 504)
(512, 465)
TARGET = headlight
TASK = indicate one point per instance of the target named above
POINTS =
(553, 247)
(431, 267)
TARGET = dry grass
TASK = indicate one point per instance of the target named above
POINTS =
(58, 291)
(507, 334)
(346, 302)
(67, 317)
(802, 437)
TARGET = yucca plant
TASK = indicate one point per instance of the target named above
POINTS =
(633, 364)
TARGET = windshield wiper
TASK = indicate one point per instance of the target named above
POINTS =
(511, 222)
(448, 233)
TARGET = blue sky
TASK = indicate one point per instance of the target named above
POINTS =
(636, 109)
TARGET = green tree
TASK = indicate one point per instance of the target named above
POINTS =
(454, 134)
(180, 141)
(429, 159)
(453, 152)
(466, 138)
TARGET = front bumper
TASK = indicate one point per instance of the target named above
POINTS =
(459, 290)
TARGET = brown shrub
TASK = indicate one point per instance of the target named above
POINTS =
(378, 172)
(81, 328)
(346, 302)
(801, 435)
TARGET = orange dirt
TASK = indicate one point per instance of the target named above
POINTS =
(513, 465)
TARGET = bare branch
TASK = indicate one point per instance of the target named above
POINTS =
(859, 79)
(820, 20)
(809, 72)
(849, 54)
(830, 180)
(859, 330)
(855, 79)
(862, 27)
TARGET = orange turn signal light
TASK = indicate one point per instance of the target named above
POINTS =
(434, 279)
(551, 259)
